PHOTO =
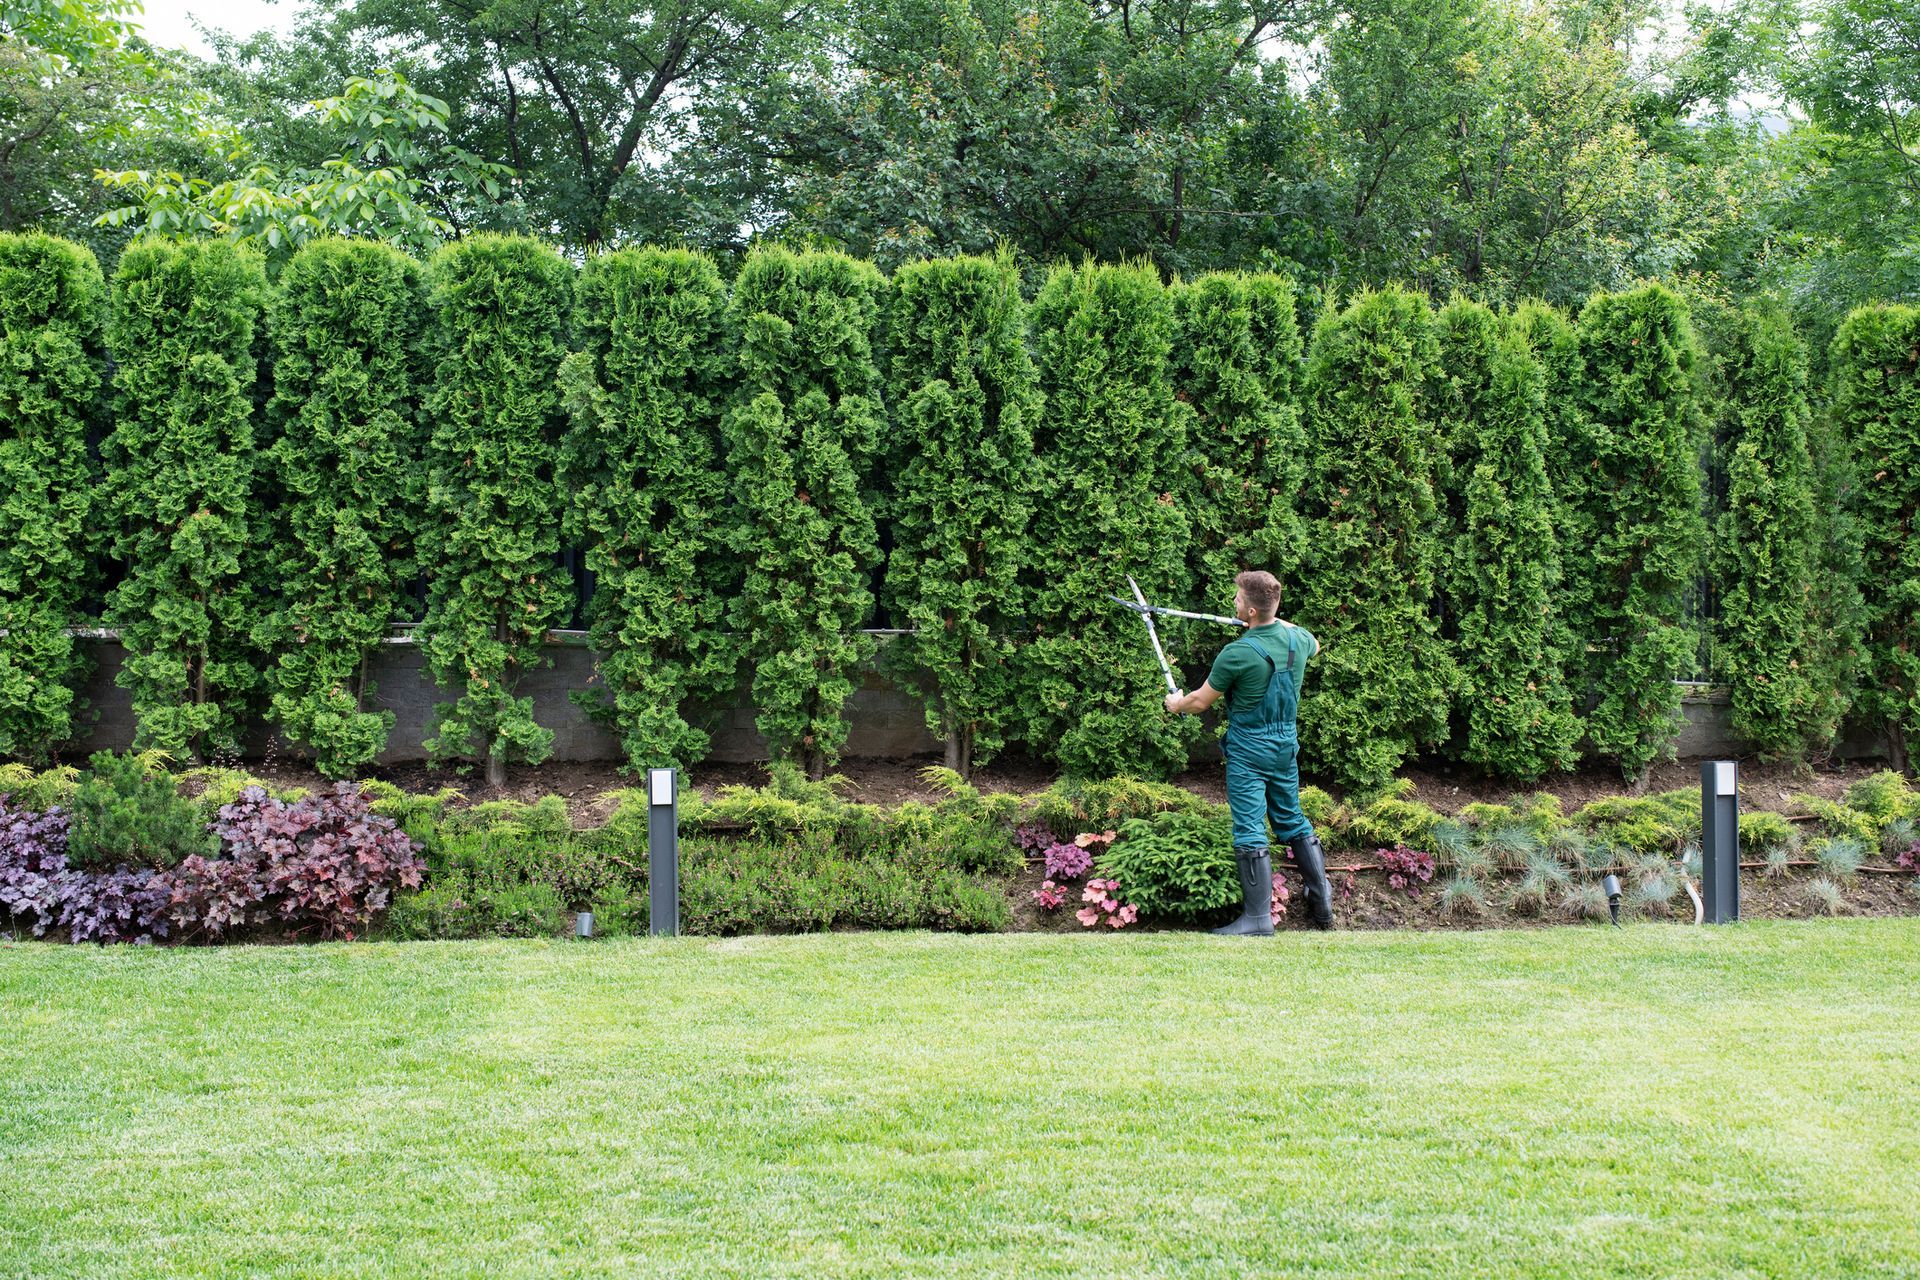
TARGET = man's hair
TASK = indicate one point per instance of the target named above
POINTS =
(1262, 588)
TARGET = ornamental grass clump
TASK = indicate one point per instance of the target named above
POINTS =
(1841, 857)
(1464, 895)
(1824, 896)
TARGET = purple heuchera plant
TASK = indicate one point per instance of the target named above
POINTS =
(1068, 861)
(34, 876)
(1033, 837)
(1909, 858)
(1406, 868)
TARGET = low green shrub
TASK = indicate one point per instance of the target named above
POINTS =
(1885, 797)
(38, 791)
(1322, 811)
(1839, 820)
(1177, 865)
(125, 810)
(1077, 804)
(1390, 821)
(1646, 824)
(1764, 831)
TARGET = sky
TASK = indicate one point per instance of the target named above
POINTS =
(169, 23)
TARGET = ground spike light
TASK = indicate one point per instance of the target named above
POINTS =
(1610, 886)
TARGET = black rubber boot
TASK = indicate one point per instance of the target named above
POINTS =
(1256, 893)
(1312, 861)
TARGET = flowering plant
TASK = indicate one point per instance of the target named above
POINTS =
(1068, 861)
(1278, 905)
(1909, 858)
(1406, 868)
(1088, 839)
(1049, 895)
(1104, 897)
(1034, 837)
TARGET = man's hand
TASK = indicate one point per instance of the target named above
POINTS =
(1192, 704)
(1173, 701)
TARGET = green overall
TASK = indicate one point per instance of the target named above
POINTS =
(1262, 746)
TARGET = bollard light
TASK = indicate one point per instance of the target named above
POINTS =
(583, 924)
(1611, 887)
(663, 852)
(1720, 840)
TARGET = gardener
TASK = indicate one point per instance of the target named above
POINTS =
(1259, 676)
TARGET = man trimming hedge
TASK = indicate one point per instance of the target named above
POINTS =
(1259, 675)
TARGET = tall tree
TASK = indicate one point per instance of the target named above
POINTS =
(801, 435)
(1876, 408)
(643, 468)
(963, 490)
(1237, 363)
(52, 303)
(1109, 440)
(348, 465)
(179, 489)
(1641, 499)
(1502, 566)
(1381, 687)
(501, 308)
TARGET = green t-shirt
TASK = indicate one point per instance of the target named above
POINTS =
(1239, 673)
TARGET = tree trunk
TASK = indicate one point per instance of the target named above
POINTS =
(496, 770)
(1897, 757)
(960, 751)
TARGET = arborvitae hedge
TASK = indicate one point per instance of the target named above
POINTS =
(1381, 686)
(348, 468)
(501, 310)
(1503, 563)
(52, 302)
(1641, 509)
(1236, 361)
(806, 420)
(964, 419)
(1876, 408)
(646, 492)
(1764, 551)
(178, 494)
(1567, 444)
(1110, 438)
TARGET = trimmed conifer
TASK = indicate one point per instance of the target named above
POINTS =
(801, 434)
(962, 494)
(1640, 504)
(1110, 439)
(500, 314)
(178, 489)
(349, 467)
(1381, 687)
(1876, 410)
(1765, 553)
(1236, 362)
(52, 304)
(646, 492)
(1502, 564)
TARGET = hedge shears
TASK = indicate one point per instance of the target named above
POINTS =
(1146, 611)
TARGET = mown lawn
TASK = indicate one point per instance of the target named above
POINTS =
(1660, 1101)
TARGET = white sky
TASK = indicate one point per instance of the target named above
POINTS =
(169, 23)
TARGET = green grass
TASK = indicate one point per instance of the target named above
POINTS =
(1658, 1101)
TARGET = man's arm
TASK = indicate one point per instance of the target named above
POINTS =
(1192, 704)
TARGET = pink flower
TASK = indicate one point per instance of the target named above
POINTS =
(1129, 913)
(1108, 904)
(1116, 921)
(1085, 839)
(1093, 892)
(1088, 916)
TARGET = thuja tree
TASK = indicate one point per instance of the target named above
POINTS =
(800, 435)
(1236, 362)
(500, 313)
(178, 491)
(51, 305)
(1503, 565)
(964, 420)
(1109, 441)
(347, 467)
(1765, 554)
(1876, 409)
(1640, 502)
(1568, 445)
(1382, 684)
(641, 467)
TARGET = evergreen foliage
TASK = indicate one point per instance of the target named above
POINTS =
(52, 303)
(1876, 409)
(1503, 560)
(1109, 440)
(641, 468)
(1236, 361)
(348, 463)
(501, 309)
(804, 426)
(178, 493)
(1567, 444)
(968, 401)
(1380, 688)
(1764, 550)
(1640, 503)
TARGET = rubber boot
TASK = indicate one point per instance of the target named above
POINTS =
(1256, 893)
(1312, 861)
